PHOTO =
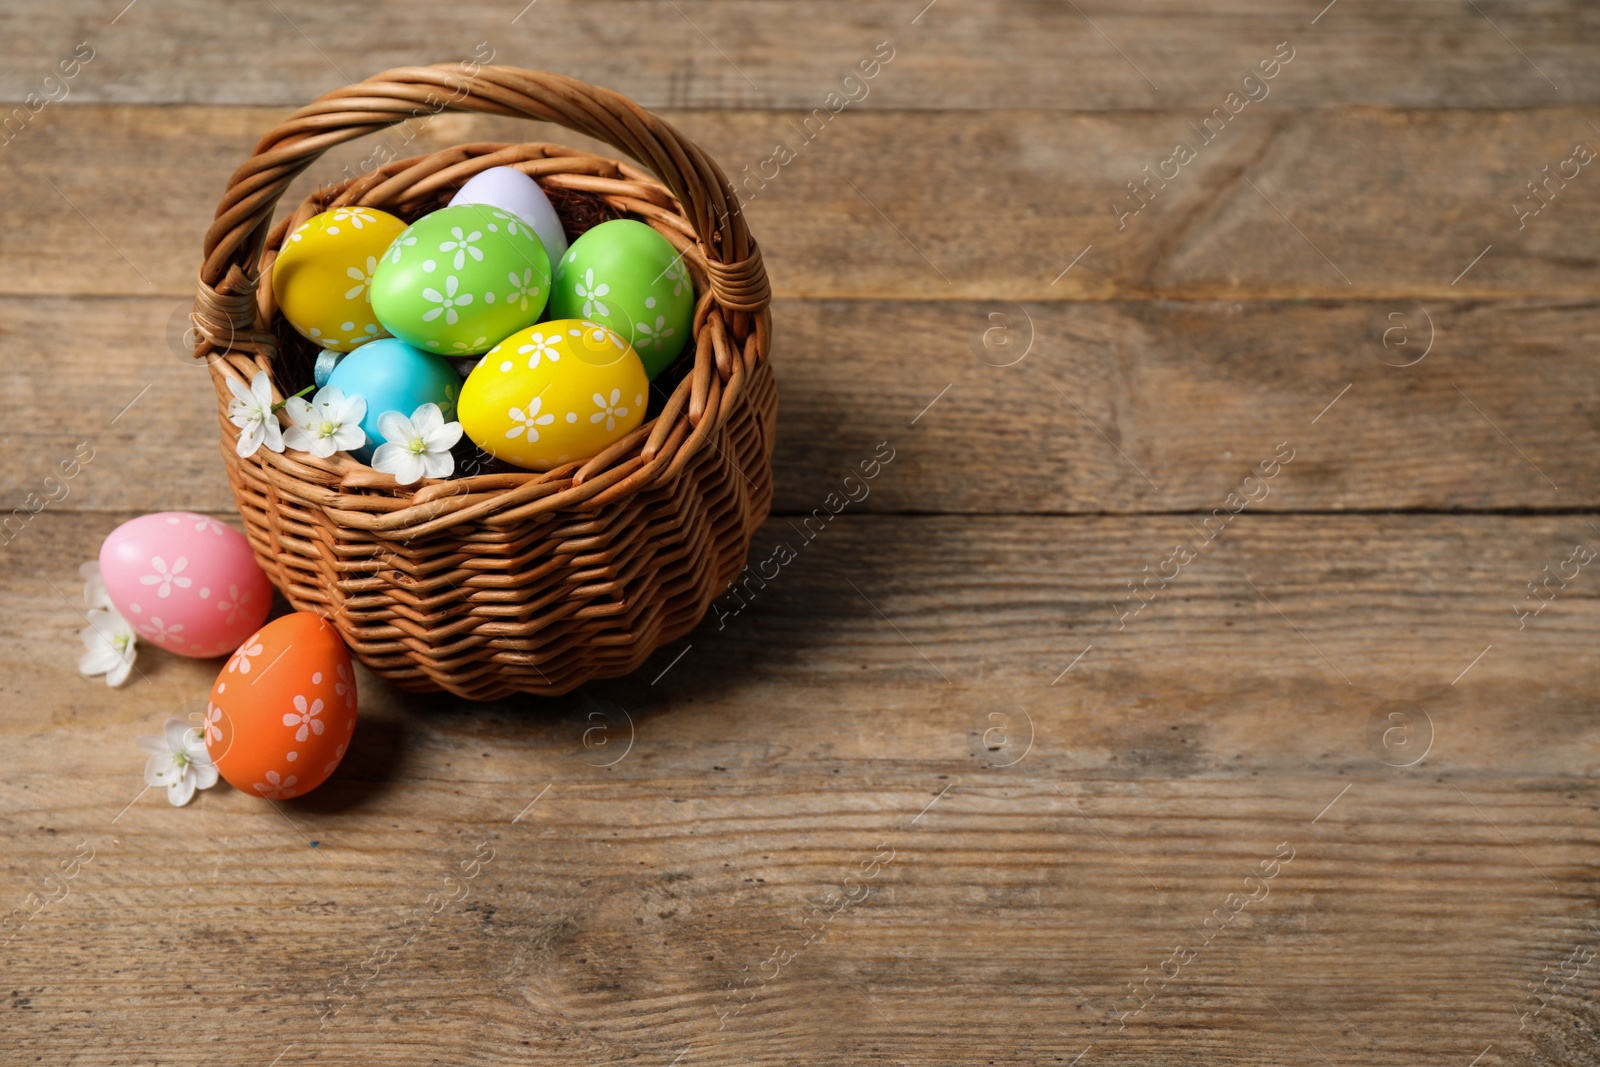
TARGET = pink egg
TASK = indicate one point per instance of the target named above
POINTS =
(185, 582)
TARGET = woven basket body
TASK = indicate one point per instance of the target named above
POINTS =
(500, 581)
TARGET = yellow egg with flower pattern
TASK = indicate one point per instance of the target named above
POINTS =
(554, 393)
(322, 278)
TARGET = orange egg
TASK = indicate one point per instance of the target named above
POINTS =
(283, 709)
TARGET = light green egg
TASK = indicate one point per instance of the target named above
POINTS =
(460, 280)
(624, 275)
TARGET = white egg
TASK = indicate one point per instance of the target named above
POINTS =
(508, 189)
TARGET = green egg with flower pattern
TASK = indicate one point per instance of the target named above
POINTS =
(624, 275)
(459, 280)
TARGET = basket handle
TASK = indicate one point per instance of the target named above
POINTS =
(226, 306)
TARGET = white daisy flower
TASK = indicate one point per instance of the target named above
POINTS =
(179, 761)
(251, 411)
(418, 446)
(330, 423)
(109, 644)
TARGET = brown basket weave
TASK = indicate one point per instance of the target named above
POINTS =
(506, 581)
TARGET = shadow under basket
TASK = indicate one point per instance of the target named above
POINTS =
(499, 581)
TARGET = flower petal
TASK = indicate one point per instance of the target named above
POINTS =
(352, 409)
(410, 469)
(444, 438)
(273, 435)
(99, 659)
(181, 791)
(94, 587)
(349, 437)
(299, 411)
(250, 439)
(205, 775)
(426, 419)
(119, 674)
(108, 624)
(438, 464)
(261, 388)
(299, 439)
(194, 745)
(328, 397)
(176, 732)
(157, 770)
(395, 427)
(93, 636)
(109, 621)
(400, 462)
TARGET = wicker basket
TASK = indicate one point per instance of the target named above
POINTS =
(506, 581)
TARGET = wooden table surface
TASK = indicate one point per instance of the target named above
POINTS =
(1074, 742)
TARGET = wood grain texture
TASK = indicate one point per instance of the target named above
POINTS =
(983, 683)
(1036, 872)
(767, 54)
(1121, 408)
(1296, 205)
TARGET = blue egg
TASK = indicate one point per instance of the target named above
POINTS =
(393, 376)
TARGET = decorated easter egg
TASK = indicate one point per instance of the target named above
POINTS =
(460, 279)
(508, 189)
(322, 278)
(553, 393)
(624, 275)
(392, 376)
(282, 711)
(185, 582)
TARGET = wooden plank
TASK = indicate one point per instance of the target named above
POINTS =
(622, 907)
(982, 610)
(1108, 408)
(757, 53)
(1324, 204)
(1032, 777)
